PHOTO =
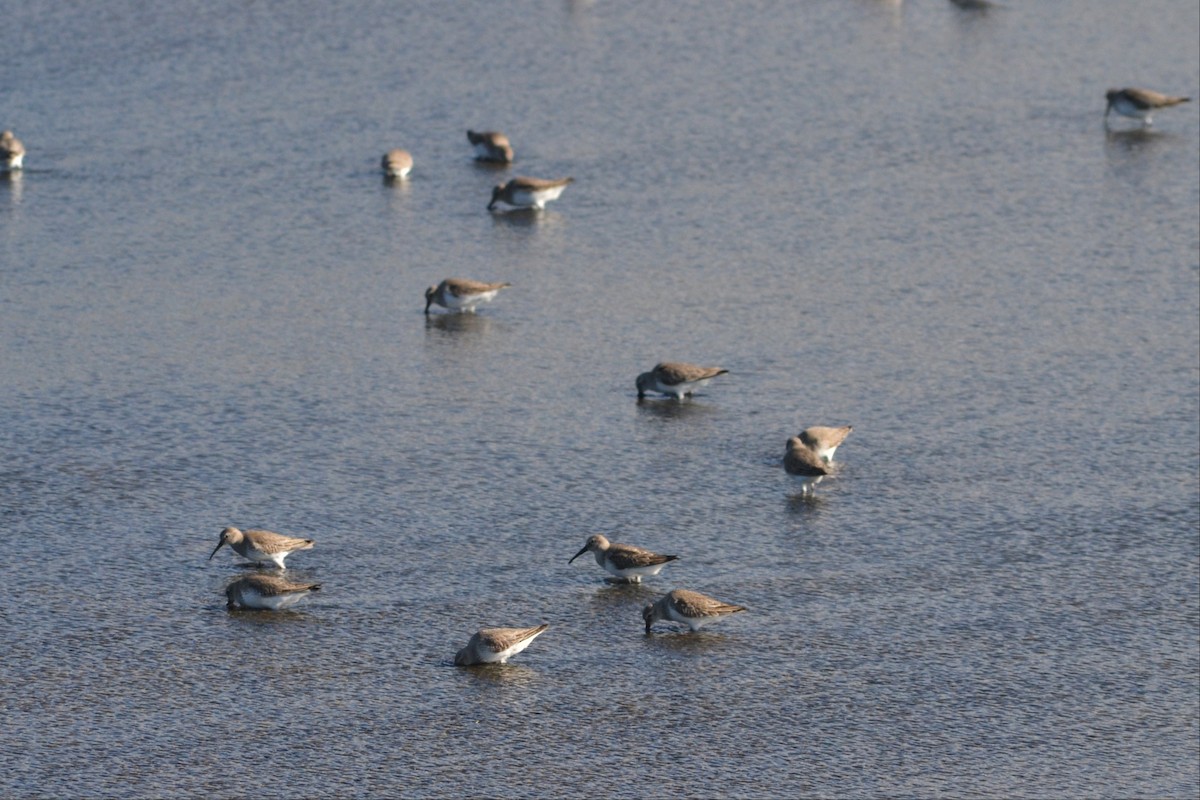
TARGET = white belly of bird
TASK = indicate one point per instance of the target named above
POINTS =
(695, 623)
(681, 389)
(258, 556)
(505, 655)
(469, 301)
(826, 454)
(14, 162)
(398, 173)
(1128, 109)
(254, 554)
(633, 573)
(537, 198)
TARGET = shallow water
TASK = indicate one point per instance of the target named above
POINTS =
(903, 217)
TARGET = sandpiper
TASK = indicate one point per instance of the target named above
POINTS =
(528, 192)
(266, 592)
(491, 146)
(461, 294)
(261, 546)
(627, 562)
(1139, 103)
(803, 462)
(675, 378)
(823, 441)
(691, 608)
(397, 163)
(12, 152)
(496, 645)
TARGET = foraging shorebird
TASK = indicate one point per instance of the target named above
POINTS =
(269, 592)
(804, 462)
(461, 294)
(12, 152)
(261, 546)
(397, 163)
(691, 608)
(1138, 103)
(675, 378)
(496, 645)
(823, 441)
(528, 192)
(625, 561)
(491, 146)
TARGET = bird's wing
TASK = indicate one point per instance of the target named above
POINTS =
(500, 639)
(819, 436)
(461, 286)
(671, 372)
(271, 542)
(694, 604)
(626, 556)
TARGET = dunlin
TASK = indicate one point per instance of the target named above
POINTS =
(491, 146)
(397, 163)
(261, 546)
(677, 379)
(496, 645)
(528, 192)
(627, 562)
(1139, 103)
(803, 462)
(12, 152)
(823, 441)
(266, 592)
(461, 294)
(691, 608)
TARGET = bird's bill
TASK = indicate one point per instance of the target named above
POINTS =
(220, 544)
(577, 555)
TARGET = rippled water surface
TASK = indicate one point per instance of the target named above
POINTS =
(908, 218)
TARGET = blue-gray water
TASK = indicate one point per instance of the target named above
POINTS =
(904, 217)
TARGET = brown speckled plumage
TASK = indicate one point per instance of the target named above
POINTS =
(821, 439)
(675, 377)
(690, 608)
(466, 293)
(492, 645)
(261, 546)
(623, 560)
(491, 146)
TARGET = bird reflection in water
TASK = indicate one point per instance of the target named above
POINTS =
(457, 323)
